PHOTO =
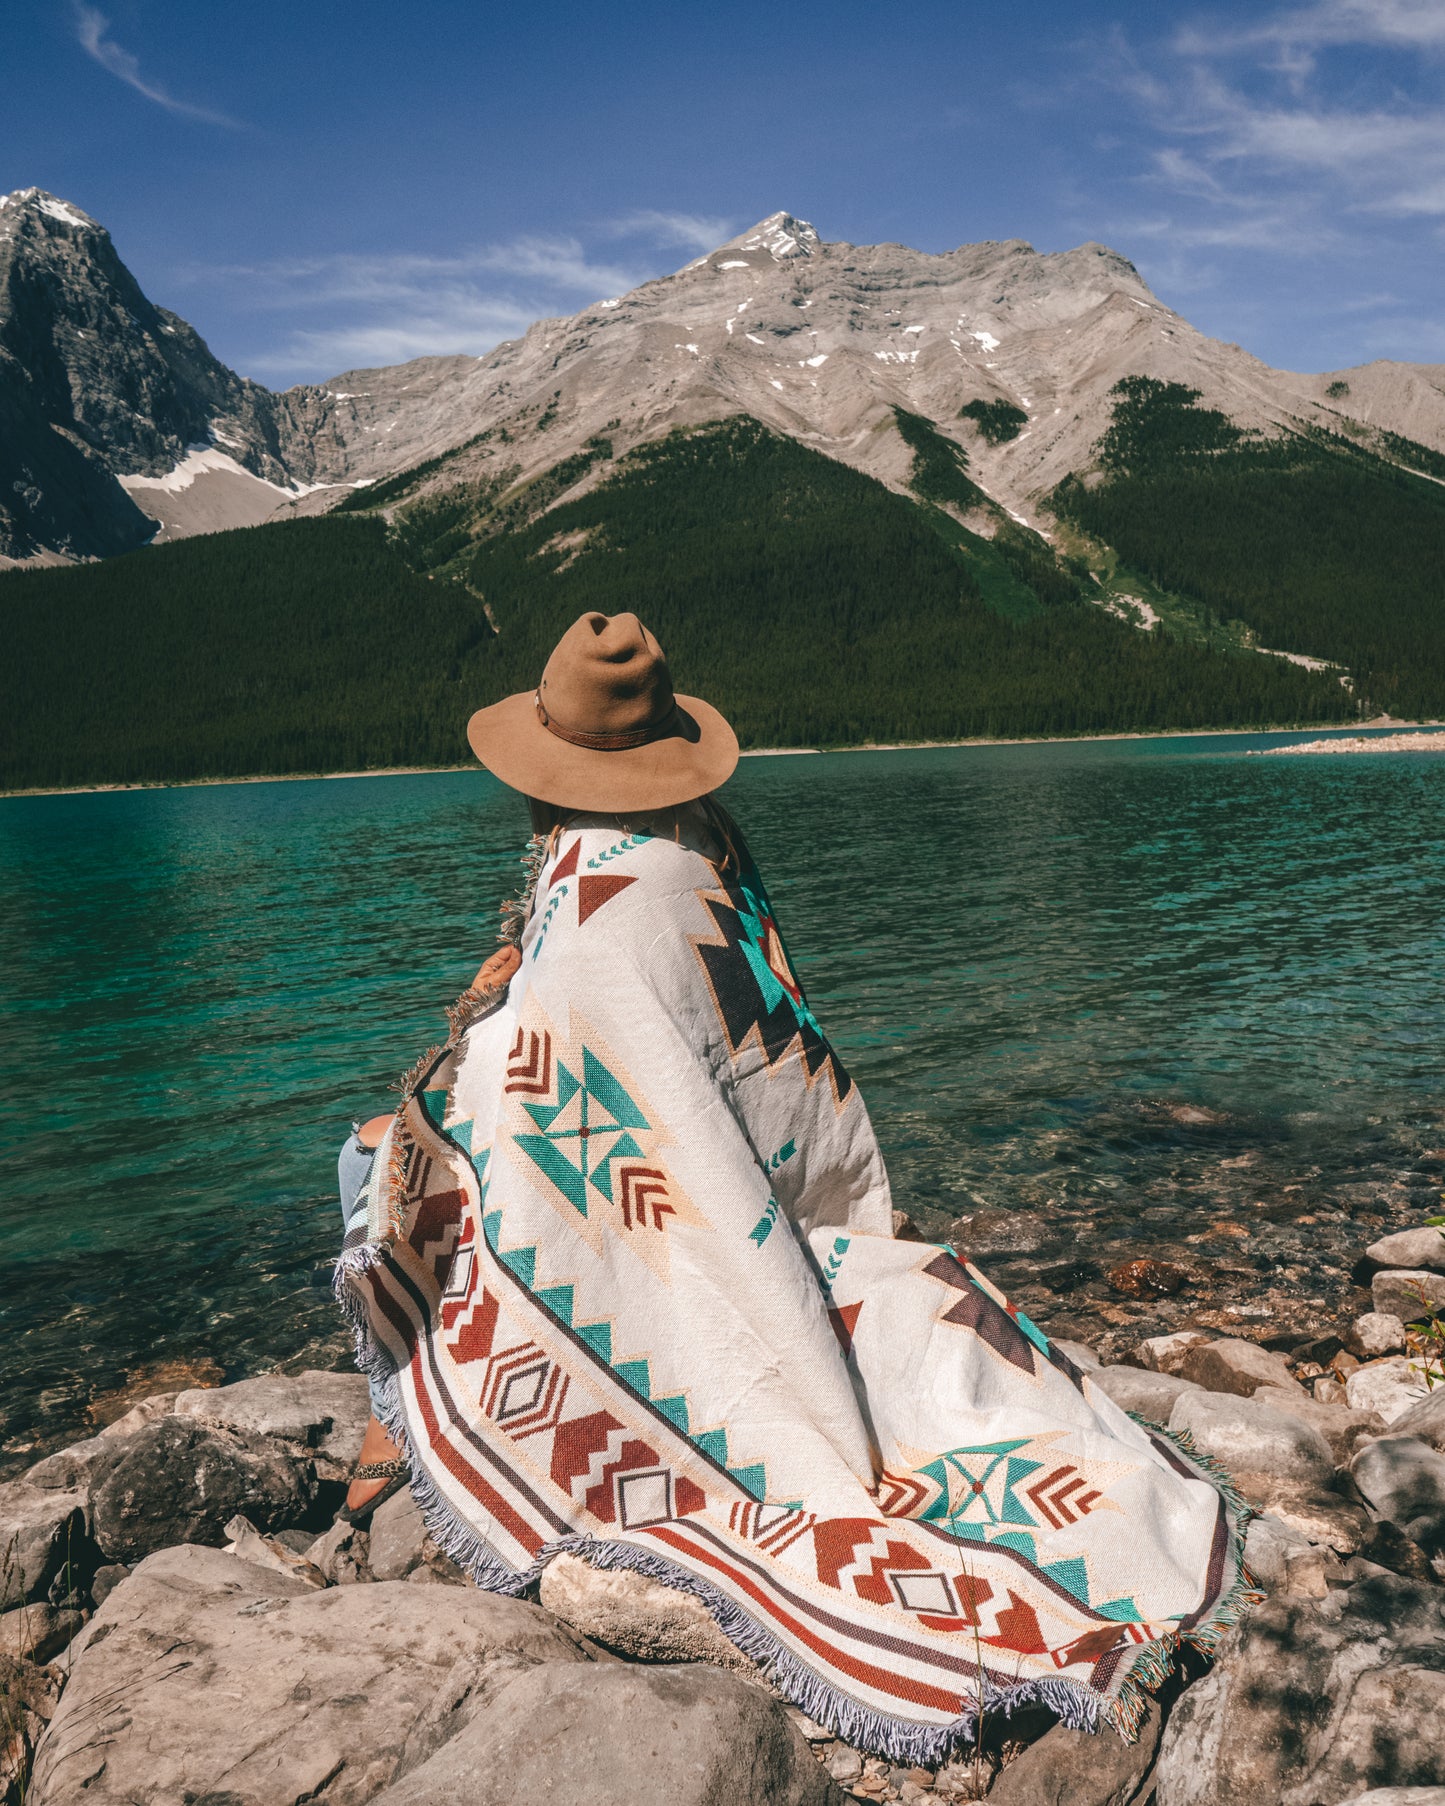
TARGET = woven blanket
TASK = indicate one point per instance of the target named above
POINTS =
(629, 1267)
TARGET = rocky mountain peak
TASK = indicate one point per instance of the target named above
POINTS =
(782, 235)
(44, 213)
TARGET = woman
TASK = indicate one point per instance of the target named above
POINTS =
(627, 1286)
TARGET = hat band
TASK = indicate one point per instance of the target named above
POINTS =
(606, 742)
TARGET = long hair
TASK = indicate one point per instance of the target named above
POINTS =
(550, 820)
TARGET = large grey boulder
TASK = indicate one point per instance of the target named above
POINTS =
(40, 1529)
(177, 1481)
(1417, 1248)
(621, 1736)
(1283, 1560)
(635, 1615)
(1390, 1387)
(1409, 1295)
(1136, 1389)
(1403, 1481)
(1247, 1436)
(323, 1413)
(1165, 1354)
(205, 1677)
(1343, 1429)
(1233, 1365)
(1315, 1701)
(1425, 1419)
(1072, 1768)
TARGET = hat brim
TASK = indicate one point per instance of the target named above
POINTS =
(512, 743)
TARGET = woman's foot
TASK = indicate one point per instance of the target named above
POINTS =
(377, 1448)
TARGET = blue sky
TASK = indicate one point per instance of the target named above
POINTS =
(317, 186)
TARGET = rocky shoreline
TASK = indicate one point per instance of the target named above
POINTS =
(185, 1625)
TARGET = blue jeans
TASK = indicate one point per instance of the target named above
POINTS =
(353, 1170)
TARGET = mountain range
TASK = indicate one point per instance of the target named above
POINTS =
(1051, 453)
(120, 428)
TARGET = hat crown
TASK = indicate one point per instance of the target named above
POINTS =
(607, 675)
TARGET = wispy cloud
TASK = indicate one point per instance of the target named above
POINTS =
(694, 231)
(92, 32)
(388, 308)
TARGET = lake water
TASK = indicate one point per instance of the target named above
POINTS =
(1107, 999)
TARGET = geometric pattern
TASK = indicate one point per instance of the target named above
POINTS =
(578, 1120)
(557, 1393)
(758, 999)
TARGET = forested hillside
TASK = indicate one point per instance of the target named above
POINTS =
(808, 601)
(1317, 544)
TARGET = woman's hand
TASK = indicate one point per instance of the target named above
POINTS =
(498, 969)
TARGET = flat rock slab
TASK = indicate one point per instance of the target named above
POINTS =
(324, 1413)
(1411, 1248)
(1315, 1700)
(1233, 1365)
(1136, 1389)
(1071, 1768)
(621, 1736)
(205, 1676)
(1246, 1435)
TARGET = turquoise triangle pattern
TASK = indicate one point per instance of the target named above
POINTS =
(713, 1443)
(674, 1409)
(558, 1300)
(1122, 1611)
(637, 1375)
(753, 1479)
(523, 1262)
(598, 1337)
(1071, 1574)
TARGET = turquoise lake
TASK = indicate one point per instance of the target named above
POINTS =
(1105, 998)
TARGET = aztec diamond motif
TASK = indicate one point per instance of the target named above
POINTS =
(580, 1123)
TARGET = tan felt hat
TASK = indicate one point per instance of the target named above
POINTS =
(603, 730)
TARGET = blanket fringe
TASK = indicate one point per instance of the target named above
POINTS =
(1076, 1706)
